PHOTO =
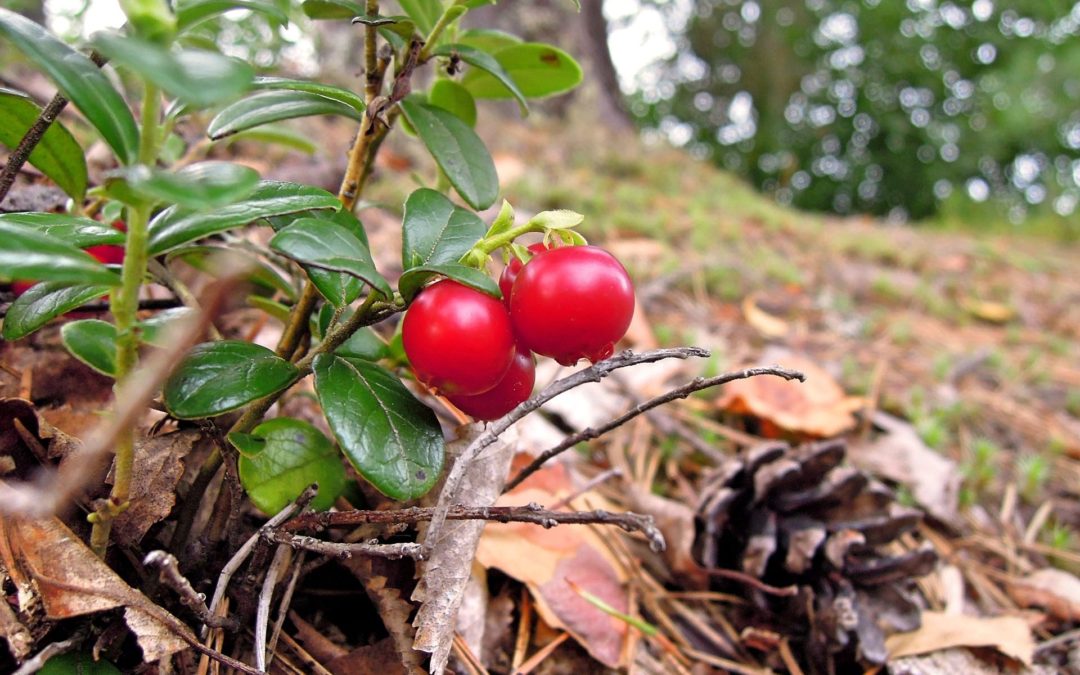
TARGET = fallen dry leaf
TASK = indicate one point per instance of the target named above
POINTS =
(157, 472)
(675, 521)
(901, 456)
(1009, 635)
(954, 662)
(381, 658)
(818, 407)
(18, 637)
(1055, 590)
(768, 325)
(991, 312)
(55, 442)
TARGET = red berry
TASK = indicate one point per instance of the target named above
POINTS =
(110, 254)
(572, 302)
(458, 339)
(20, 286)
(514, 388)
(510, 272)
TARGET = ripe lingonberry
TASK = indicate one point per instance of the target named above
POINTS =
(458, 339)
(572, 302)
(514, 388)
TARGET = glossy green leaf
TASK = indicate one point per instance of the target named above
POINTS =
(327, 90)
(275, 309)
(488, 64)
(216, 377)
(200, 78)
(488, 39)
(77, 663)
(424, 12)
(202, 186)
(454, 98)
(538, 70)
(273, 106)
(458, 151)
(364, 344)
(57, 155)
(276, 134)
(75, 230)
(222, 261)
(174, 226)
(192, 12)
(413, 280)
(434, 231)
(79, 80)
(332, 9)
(281, 457)
(93, 342)
(392, 439)
(329, 246)
(28, 253)
(42, 303)
(155, 329)
(338, 288)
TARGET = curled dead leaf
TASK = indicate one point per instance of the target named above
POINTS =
(1009, 635)
(157, 472)
(768, 325)
(1056, 590)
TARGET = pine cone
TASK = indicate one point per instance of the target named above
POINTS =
(797, 517)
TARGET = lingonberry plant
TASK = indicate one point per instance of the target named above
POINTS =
(317, 273)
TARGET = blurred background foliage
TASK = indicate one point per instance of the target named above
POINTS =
(903, 109)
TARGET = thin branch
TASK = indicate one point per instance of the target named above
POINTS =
(169, 573)
(37, 661)
(697, 384)
(34, 134)
(283, 606)
(594, 373)
(530, 513)
(262, 614)
(344, 550)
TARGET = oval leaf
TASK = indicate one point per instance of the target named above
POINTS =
(424, 12)
(331, 9)
(488, 39)
(174, 226)
(413, 280)
(191, 12)
(194, 76)
(435, 231)
(79, 80)
(338, 288)
(277, 134)
(93, 342)
(154, 330)
(487, 63)
(281, 457)
(329, 246)
(28, 253)
(273, 106)
(57, 155)
(454, 98)
(42, 303)
(392, 439)
(329, 91)
(74, 230)
(457, 149)
(216, 377)
(198, 187)
(538, 70)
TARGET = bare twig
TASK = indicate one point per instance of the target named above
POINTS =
(594, 373)
(283, 606)
(599, 478)
(344, 550)
(37, 661)
(750, 580)
(685, 390)
(170, 575)
(262, 614)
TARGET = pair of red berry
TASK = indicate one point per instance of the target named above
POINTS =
(568, 302)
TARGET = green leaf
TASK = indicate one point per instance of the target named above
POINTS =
(392, 439)
(331, 9)
(458, 151)
(487, 63)
(538, 69)
(191, 12)
(503, 222)
(434, 231)
(276, 134)
(57, 155)
(327, 90)
(77, 231)
(77, 662)
(28, 253)
(488, 39)
(217, 377)
(93, 342)
(338, 288)
(200, 78)
(174, 226)
(329, 246)
(271, 307)
(42, 303)
(413, 280)
(424, 12)
(454, 98)
(155, 328)
(202, 186)
(281, 457)
(273, 106)
(222, 261)
(79, 80)
(364, 344)
(560, 219)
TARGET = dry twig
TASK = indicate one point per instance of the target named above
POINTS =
(170, 575)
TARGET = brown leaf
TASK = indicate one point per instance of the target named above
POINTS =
(1008, 634)
(1054, 589)
(676, 522)
(954, 662)
(818, 407)
(157, 471)
(768, 325)
(901, 456)
(55, 443)
(380, 657)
